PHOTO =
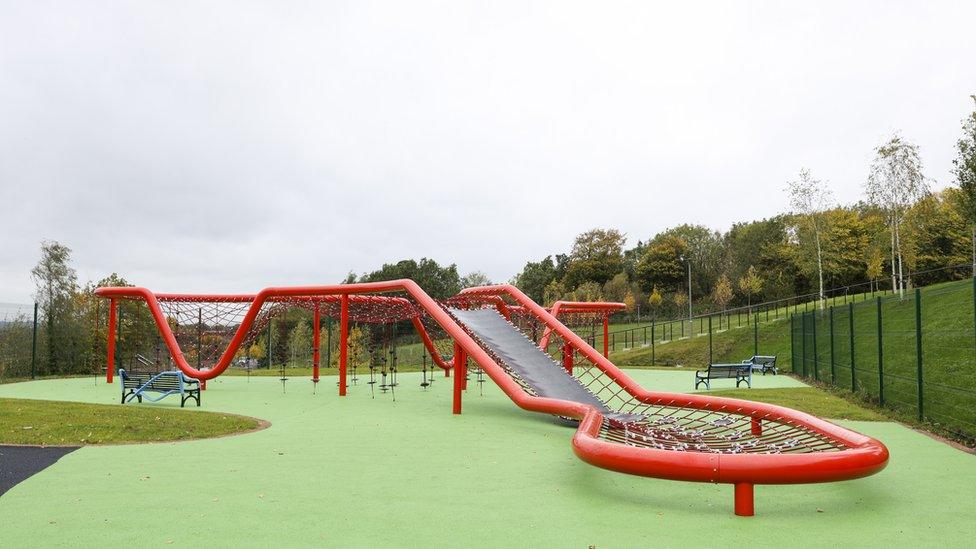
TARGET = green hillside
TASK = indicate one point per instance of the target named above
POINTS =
(887, 374)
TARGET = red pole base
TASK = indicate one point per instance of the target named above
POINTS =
(744, 501)
(203, 385)
(459, 363)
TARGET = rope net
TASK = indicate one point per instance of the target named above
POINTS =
(665, 425)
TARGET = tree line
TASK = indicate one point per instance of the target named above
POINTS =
(899, 234)
(899, 231)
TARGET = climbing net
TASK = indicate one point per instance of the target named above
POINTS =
(667, 424)
(205, 326)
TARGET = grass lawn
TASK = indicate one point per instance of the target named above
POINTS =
(51, 423)
(806, 399)
(366, 472)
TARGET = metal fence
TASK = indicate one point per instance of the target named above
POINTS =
(913, 353)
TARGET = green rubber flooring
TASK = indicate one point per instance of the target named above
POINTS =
(368, 472)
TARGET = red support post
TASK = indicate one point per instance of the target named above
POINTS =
(110, 354)
(343, 343)
(459, 360)
(606, 336)
(316, 323)
(464, 371)
(744, 504)
(756, 426)
(568, 358)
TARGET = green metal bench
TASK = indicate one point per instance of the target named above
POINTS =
(739, 372)
(764, 363)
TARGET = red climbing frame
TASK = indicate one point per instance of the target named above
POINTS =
(860, 456)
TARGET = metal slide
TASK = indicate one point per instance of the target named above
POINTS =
(523, 358)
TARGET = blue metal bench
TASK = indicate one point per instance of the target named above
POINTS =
(138, 385)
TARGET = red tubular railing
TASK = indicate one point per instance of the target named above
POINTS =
(863, 456)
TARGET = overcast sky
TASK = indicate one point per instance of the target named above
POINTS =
(229, 146)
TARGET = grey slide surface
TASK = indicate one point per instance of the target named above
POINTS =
(537, 368)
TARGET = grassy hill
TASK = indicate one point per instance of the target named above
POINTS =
(888, 377)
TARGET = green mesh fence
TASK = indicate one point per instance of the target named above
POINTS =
(914, 354)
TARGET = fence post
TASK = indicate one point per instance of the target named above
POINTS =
(880, 358)
(652, 344)
(850, 318)
(918, 349)
(833, 373)
(816, 355)
(710, 361)
(803, 342)
(34, 344)
(755, 335)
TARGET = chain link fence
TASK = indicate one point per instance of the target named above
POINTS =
(914, 354)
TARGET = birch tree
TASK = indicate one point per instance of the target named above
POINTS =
(56, 283)
(894, 184)
(810, 198)
(964, 168)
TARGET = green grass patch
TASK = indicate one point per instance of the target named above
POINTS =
(47, 422)
(806, 399)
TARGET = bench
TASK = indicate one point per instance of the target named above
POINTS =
(764, 363)
(739, 372)
(137, 385)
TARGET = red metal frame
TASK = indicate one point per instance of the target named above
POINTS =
(863, 455)
(607, 308)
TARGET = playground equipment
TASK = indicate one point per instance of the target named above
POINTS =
(622, 426)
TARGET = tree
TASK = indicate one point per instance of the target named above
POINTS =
(940, 235)
(964, 168)
(439, 282)
(475, 278)
(587, 291)
(630, 302)
(256, 350)
(661, 263)
(722, 294)
(56, 282)
(894, 184)
(810, 198)
(535, 277)
(680, 299)
(597, 256)
(703, 249)
(771, 246)
(617, 288)
(300, 341)
(554, 291)
(874, 266)
(750, 285)
(655, 299)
